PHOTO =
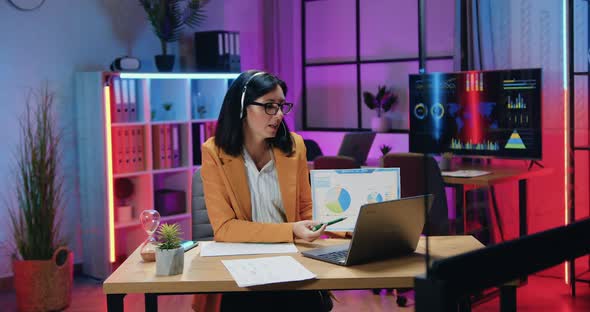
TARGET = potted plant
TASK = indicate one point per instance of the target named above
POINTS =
(385, 149)
(123, 190)
(446, 162)
(168, 19)
(383, 101)
(42, 265)
(169, 253)
(168, 113)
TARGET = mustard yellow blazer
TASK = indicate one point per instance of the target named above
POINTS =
(227, 198)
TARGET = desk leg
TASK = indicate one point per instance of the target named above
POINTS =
(522, 207)
(115, 302)
(151, 302)
(508, 298)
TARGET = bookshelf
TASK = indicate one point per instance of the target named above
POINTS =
(143, 130)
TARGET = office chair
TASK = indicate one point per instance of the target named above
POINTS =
(313, 149)
(415, 182)
(202, 229)
(420, 174)
(335, 162)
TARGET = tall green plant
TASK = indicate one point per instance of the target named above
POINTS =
(169, 17)
(36, 218)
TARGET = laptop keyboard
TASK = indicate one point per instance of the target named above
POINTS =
(336, 256)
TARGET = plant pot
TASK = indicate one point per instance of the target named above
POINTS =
(380, 124)
(44, 285)
(445, 164)
(165, 63)
(169, 261)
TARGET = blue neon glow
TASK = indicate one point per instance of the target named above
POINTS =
(436, 122)
(179, 75)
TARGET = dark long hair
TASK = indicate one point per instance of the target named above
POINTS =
(229, 135)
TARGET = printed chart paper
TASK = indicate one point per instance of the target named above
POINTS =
(341, 193)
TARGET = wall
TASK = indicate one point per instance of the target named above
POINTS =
(62, 37)
(388, 28)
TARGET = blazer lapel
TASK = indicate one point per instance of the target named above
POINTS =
(235, 171)
(287, 173)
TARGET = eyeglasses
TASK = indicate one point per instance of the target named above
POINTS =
(273, 108)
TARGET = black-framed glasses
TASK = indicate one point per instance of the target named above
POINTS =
(273, 108)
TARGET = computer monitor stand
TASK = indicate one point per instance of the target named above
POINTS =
(534, 162)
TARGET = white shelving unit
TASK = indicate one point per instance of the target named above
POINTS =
(107, 240)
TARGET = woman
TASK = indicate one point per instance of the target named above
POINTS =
(256, 183)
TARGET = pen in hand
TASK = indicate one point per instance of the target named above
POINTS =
(319, 226)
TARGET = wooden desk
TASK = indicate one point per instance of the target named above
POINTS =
(498, 175)
(207, 274)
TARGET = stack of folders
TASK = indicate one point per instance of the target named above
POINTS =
(128, 149)
(123, 100)
(166, 146)
(201, 131)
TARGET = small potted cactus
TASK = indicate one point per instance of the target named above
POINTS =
(169, 254)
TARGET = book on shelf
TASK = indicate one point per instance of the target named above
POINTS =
(176, 146)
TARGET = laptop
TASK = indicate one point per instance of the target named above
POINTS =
(357, 146)
(383, 230)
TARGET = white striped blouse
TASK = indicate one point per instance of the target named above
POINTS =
(267, 204)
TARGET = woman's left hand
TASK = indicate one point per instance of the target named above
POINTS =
(304, 230)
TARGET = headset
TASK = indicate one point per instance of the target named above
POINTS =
(244, 92)
(244, 96)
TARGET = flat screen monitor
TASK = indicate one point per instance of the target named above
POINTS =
(477, 113)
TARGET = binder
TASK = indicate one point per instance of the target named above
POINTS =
(117, 102)
(126, 165)
(156, 150)
(133, 148)
(132, 100)
(125, 97)
(162, 132)
(168, 146)
(118, 152)
(175, 146)
(140, 151)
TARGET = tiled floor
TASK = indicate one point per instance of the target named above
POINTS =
(540, 294)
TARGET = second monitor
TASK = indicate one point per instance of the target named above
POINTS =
(357, 145)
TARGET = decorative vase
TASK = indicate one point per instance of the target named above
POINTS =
(164, 63)
(44, 285)
(380, 124)
(169, 261)
(445, 164)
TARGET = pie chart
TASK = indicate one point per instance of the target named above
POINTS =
(338, 199)
(374, 197)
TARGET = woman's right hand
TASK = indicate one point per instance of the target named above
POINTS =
(303, 230)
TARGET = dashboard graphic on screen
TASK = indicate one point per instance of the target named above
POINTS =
(477, 113)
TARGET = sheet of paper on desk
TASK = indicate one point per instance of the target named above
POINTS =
(464, 173)
(212, 249)
(269, 270)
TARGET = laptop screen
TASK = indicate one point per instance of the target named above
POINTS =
(341, 192)
(357, 145)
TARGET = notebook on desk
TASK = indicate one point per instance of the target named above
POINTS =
(465, 173)
(383, 230)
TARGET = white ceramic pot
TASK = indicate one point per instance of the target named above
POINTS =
(380, 124)
(169, 261)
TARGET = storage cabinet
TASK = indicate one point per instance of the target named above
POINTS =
(138, 140)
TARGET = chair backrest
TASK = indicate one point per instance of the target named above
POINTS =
(201, 225)
(313, 149)
(420, 174)
(334, 162)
